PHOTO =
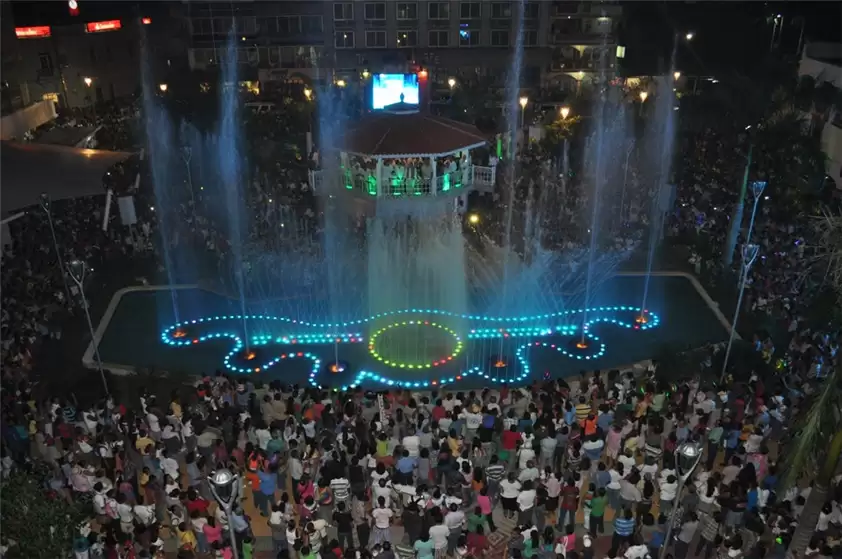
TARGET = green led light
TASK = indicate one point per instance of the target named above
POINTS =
(372, 345)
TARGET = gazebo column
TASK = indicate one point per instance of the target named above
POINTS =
(378, 173)
(433, 178)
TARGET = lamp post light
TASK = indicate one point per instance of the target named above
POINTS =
(451, 82)
(676, 75)
(523, 102)
(308, 93)
(44, 202)
(689, 35)
(565, 153)
(88, 81)
(749, 254)
(163, 87)
(225, 488)
(687, 458)
(77, 270)
(643, 96)
(565, 112)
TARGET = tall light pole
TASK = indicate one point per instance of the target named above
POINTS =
(565, 154)
(757, 188)
(749, 254)
(225, 488)
(625, 178)
(44, 202)
(687, 457)
(187, 155)
(77, 270)
(88, 81)
(523, 102)
(643, 96)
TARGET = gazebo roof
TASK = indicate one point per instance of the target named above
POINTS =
(409, 135)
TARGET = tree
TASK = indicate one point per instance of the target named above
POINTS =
(37, 524)
(815, 447)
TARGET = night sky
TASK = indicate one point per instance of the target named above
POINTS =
(729, 36)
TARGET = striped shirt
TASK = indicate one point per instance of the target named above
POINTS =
(495, 472)
(341, 488)
(623, 526)
(582, 411)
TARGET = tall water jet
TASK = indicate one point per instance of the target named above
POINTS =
(159, 133)
(663, 130)
(229, 155)
(512, 102)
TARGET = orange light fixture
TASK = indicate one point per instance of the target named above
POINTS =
(146, 20)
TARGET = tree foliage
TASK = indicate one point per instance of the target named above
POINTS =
(37, 524)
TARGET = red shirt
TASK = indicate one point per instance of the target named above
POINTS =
(476, 543)
(569, 497)
(197, 505)
(510, 439)
(438, 412)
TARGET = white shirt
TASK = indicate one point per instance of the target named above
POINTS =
(154, 422)
(524, 456)
(381, 517)
(526, 499)
(509, 489)
(263, 438)
(412, 444)
(124, 511)
(439, 534)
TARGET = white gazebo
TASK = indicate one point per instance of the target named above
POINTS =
(398, 154)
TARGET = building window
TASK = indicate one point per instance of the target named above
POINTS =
(531, 10)
(407, 38)
(470, 10)
(530, 38)
(438, 10)
(246, 25)
(311, 24)
(375, 39)
(289, 25)
(499, 38)
(375, 10)
(501, 10)
(343, 39)
(407, 10)
(468, 37)
(343, 11)
(439, 38)
(46, 62)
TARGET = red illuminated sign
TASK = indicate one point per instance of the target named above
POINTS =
(146, 20)
(33, 32)
(98, 26)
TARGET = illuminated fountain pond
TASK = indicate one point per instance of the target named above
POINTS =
(415, 348)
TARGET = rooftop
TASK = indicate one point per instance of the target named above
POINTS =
(405, 135)
(27, 170)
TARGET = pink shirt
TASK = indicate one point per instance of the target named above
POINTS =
(212, 533)
(612, 440)
(484, 503)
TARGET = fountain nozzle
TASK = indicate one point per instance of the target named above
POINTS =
(179, 333)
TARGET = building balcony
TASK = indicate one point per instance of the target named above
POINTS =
(474, 177)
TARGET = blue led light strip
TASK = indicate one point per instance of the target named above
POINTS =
(179, 336)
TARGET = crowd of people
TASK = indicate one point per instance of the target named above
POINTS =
(580, 469)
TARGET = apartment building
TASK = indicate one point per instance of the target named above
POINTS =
(823, 62)
(316, 40)
(77, 62)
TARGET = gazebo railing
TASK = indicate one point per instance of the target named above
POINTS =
(446, 183)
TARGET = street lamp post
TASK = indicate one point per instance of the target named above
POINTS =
(88, 81)
(44, 202)
(523, 102)
(757, 188)
(77, 270)
(625, 178)
(225, 488)
(687, 457)
(643, 96)
(451, 82)
(565, 154)
(749, 254)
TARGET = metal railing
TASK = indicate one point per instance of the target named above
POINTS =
(477, 176)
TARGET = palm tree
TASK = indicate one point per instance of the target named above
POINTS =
(816, 446)
(817, 439)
